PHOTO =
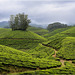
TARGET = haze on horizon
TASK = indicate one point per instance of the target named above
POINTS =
(40, 11)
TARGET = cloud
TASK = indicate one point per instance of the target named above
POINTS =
(40, 11)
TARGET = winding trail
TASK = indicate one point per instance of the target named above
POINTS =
(55, 53)
(61, 59)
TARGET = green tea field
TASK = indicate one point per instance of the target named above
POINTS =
(37, 51)
(37, 37)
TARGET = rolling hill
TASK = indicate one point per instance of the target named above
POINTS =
(12, 60)
(27, 53)
(47, 35)
(39, 31)
(4, 24)
(64, 43)
(20, 39)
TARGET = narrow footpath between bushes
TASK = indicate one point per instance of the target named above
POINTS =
(61, 59)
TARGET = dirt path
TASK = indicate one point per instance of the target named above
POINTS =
(62, 60)
(55, 53)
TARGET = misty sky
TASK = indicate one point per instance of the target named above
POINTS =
(40, 11)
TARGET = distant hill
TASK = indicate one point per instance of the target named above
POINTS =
(38, 30)
(4, 24)
(56, 25)
(40, 26)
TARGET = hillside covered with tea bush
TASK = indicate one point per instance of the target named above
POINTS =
(37, 51)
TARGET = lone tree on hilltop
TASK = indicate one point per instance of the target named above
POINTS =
(19, 22)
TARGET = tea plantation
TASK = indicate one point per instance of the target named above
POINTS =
(20, 39)
(68, 69)
(27, 53)
(64, 43)
(39, 31)
(11, 57)
(41, 51)
(47, 35)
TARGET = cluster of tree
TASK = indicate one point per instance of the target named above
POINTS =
(56, 25)
(19, 22)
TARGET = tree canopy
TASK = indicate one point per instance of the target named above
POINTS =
(56, 25)
(19, 22)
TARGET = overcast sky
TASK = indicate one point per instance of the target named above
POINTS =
(40, 11)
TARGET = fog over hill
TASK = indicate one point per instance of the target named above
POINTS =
(6, 24)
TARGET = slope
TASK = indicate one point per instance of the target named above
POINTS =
(20, 39)
(19, 34)
(39, 31)
(55, 32)
(64, 43)
(69, 69)
(41, 51)
(12, 60)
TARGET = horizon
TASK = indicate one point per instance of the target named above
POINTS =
(40, 12)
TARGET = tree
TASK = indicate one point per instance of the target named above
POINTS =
(12, 22)
(19, 22)
(56, 25)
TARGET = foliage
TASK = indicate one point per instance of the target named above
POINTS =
(70, 32)
(20, 39)
(8, 34)
(21, 44)
(48, 35)
(56, 25)
(67, 50)
(66, 70)
(19, 22)
(55, 41)
(64, 43)
(37, 58)
(13, 57)
(41, 51)
(39, 31)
